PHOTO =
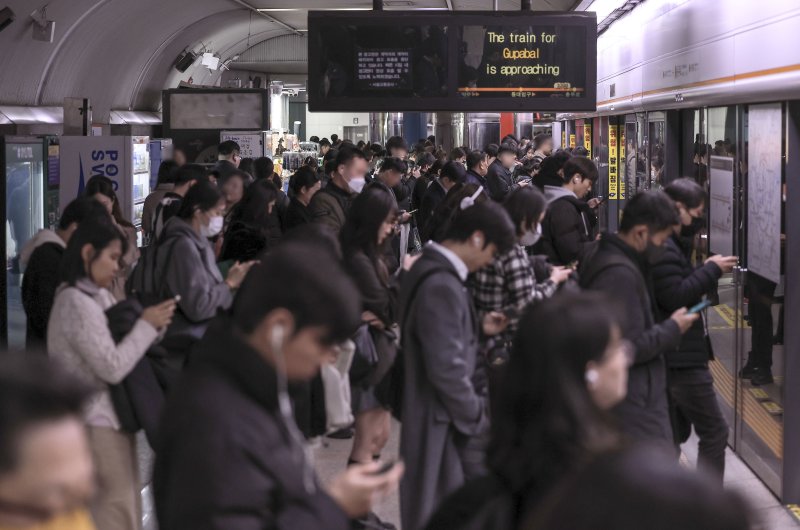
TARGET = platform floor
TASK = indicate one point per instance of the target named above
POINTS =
(331, 457)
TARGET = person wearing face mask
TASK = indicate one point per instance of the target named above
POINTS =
(231, 456)
(566, 229)
(620, 266)
(46, 471)
(185, 267)
(330, 205)
(79, 337)
(679, 284)
(444, 403)
(508, 284)
(552, 411)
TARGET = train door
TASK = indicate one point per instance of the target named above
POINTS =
(745, 162)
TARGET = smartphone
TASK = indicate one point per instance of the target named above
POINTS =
(573, 265)
(699, 307)
(415, 210)
(600, 199)
(385, 468)
(177, 298)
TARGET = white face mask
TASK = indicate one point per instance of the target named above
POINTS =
(214, 227)
(531, 237)
(357, 184)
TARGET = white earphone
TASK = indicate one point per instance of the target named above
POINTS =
(592, 376)
(276, 337)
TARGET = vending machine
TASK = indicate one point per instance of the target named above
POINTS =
(31, 177)
(123, 159)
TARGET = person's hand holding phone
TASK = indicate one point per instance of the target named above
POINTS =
(560, 274)
(725, 263)
(684, 319)
(360, 486)
(494, 323)
(160, 316)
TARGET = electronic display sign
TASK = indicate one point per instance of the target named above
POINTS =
(424, 61)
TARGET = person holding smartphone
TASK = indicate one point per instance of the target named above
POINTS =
(679, 284)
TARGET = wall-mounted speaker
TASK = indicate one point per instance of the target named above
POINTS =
(185, 60)
(6, 17)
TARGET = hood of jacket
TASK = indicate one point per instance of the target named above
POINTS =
(40, 238)
(177, 227)
(553, 193)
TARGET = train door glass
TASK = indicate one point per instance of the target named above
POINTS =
(760, 406)
(656, 148)
(24, 217)
(600, 156)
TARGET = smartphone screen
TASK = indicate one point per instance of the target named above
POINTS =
(699, 307)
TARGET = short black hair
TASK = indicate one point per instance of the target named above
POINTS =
(582, 166)
(580, 151)
(457, 153)
(334, 137)
(81, 209)
(202, 196)
(188, 173)
(34, 390)
(436, 167)
(474, 158)
(454, 172)
(228, 147)
(549, 168)
(166, 172)
(425, 159)
(306, 281)
(314, 139)
(96, 233)
(492, 150)
(346, 153)
(686, 191)
(324, 141)
(525, 207)
(540, 139)
(392, 163)
(396, 142)
(651, 208)
(487, 217)
(264, 167)
(506, 148)
(304, 177)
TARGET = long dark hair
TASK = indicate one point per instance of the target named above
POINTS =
(525, 206)
(365, 217)
(546, 421)
(252, 209)
(92, 232)
(105, 186)
(202, 196)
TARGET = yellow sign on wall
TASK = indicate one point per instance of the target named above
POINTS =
(587, 138)
(572, 141)
(613, 165)
(563, 139)
(623, 162)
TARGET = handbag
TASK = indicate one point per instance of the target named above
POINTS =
(336, 384)
(365, 358)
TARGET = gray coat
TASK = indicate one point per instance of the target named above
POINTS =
(444, 405)
(186, 266)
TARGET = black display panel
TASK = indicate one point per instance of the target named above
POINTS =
(466, 61)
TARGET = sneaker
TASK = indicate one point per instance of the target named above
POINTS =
(762, 377)
(342, 434)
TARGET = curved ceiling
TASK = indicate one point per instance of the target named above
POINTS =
(120, 53)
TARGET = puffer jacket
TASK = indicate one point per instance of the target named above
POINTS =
(678, 284)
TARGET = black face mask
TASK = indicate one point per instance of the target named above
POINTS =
(697, 224)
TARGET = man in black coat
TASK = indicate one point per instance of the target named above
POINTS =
(567, 228)
(228, 158)
(452, 173)
(498, 177)
(679, 284)
(620, 267)
(42, 258)
(230, 455)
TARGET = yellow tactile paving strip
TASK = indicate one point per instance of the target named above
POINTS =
(756, 416)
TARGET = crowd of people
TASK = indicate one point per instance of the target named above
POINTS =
(543, 374)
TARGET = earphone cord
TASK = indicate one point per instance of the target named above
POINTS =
(285, 406)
